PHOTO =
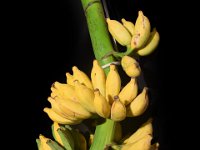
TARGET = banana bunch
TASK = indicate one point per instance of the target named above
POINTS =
(140, 139)
(65, 138)
(82, 98)
(136, 37)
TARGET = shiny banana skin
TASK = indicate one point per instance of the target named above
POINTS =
(139, 104)
(85, 96)
(129, 92)
(141, 32)
(82, 77)
(142, 144)
(71, 108)
(119, 32)
(69, 79)
(130, 66)
(113, 84)
(145, 129)
(118, 110)
(59, 119)
(128, 25)
(101, 105)
(66, 91)
(48, 144)
(151, 45)
(98, 78)
(66, 137)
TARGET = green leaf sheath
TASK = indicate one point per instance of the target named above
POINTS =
(102, 45)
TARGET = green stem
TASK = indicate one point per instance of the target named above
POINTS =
(102, 45)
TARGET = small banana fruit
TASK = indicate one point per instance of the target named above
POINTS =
(129, 92)
(48, 144)
(85, 96)
(139, 104)
(81, 77)
(57, 118)
(141, 32)
(98, 78)
(119, 32)
(118, 110)
(101, 105)
(113, 84)
(130, 66)
(151, 45)
(63, 136)
(70, 79)
(128, 25)
(142, 144)
(145, 129)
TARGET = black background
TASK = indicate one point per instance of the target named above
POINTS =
(49, 37)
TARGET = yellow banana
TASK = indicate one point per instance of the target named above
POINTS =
(142, 144)
(73, 109)
(139, 104)
(142, 31)
(130, 66)
(151, 45)
(38, 141)
(81, 77)
(56, 135)
(65, 91)
(129, 92)
(98, 78)
(85, 96)
(57, 108)
(113, 84)
(44, 145)
(118, 110)
(145, 129)
(70, 79)
(101, 105)
(57, 118)
(119, 32)
(128, 25)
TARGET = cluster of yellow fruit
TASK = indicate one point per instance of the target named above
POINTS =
(139, 140)
(66, 137)
(81, 98)
(138, 38)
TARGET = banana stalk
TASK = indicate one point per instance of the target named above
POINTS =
(102, 45)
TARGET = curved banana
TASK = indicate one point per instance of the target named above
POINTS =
(139, 104)
(129, 92)
(118, 110)
(66, 91)
(101, 105)
(70, 79)
(145, 129)
(151, 45)
(130, 66)
(48, 144)
(57, 118)
(73, 109)
(113, 84)
(142, 31)
(85, 96)
(98, 78)
(142, 144)
(128, 25)
(119, 32)
(64, 136)
(54, 127)
(81, 77)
